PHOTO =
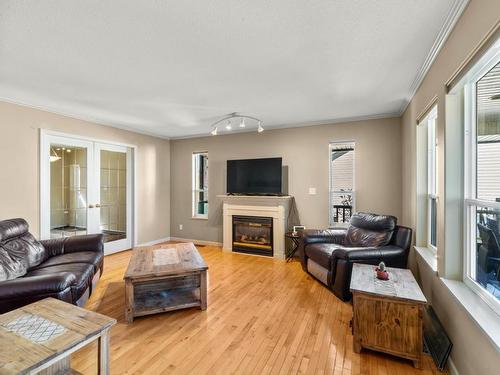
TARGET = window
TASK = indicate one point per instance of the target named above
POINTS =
(431, 179)
(427, 180)
(341, 183)
(200, 185)
(482, 181)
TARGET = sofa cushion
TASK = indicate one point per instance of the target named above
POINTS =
(20, 244)
(321, 253)
(10, 268)
(370, 230)
(12, 228)
(89, 257)
(84, 273)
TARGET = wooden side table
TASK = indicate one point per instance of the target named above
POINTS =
(40, 338)
(388, 314)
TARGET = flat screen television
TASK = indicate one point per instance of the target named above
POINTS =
(254, 176)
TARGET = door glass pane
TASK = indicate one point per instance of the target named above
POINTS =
(68, 191)
(488, 136)
(113, 190)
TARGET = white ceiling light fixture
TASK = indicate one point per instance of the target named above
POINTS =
(54, 157)
(260, 129)
(243, 123)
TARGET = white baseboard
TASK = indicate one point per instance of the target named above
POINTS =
(154, 242)
(451, 367)
(201, 242)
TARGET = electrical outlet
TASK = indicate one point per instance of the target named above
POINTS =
(180, 226)
(312, 191)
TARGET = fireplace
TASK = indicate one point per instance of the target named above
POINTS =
(253, 235)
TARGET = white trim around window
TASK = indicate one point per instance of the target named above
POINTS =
(475, 208)
(199, 185)
(432, 198)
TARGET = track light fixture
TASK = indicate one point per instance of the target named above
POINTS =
(242, 124)
(260, 129)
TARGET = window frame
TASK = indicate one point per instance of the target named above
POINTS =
(194, 189)
(331, 191)
(432, 144)
(470, 201)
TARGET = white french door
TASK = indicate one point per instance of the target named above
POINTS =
(86, 187)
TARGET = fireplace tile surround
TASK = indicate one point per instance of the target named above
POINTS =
(275, 207)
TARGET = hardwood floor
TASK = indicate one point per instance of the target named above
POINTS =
(264, 316)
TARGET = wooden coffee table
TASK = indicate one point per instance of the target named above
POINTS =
(40, 337)
(163, 278)
(388, 314)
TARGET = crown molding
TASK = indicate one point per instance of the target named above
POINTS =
(342, 120)
(450, 22)
(82, 118)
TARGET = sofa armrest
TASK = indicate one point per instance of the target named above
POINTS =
(36, 285)
(311, 236)
(392, 256)
(89, 242)
(335, 236)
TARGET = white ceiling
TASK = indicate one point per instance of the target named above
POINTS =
(171, 68)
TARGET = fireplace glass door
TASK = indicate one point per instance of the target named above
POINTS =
(253, 235)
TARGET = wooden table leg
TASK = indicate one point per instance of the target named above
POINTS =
(417, 363)
(356, 345)
(129, 301)
(203, 290)
(103, 360)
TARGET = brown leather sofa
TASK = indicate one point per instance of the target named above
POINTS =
(66, 268)
(328, 254)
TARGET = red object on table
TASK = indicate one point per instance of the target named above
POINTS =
(382, 275)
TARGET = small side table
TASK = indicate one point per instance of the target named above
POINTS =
(388, 314)
(40, 338)
(292, 244)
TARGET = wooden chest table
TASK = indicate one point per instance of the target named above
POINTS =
(164, 278)
(388, 314)
(40, 337)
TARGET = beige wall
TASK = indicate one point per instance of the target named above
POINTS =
(305, 153)
(19, 178)
(472, 352)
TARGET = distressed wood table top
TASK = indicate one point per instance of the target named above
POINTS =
(164, 260)
(38, 333)
(401, 284)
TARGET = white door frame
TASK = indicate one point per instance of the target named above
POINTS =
(44, 214)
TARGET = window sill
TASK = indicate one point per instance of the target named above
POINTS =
(480, 312)
(199, 217)
(428, 256)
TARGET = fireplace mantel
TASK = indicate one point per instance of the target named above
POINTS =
(276, 207)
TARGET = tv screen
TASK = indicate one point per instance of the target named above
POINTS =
(254, 176)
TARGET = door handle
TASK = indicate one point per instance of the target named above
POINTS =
(97, 205)
(91, 206)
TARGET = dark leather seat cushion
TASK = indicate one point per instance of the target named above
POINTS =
(84, 273)
(89, 257)
(321, 253)
(370, 230)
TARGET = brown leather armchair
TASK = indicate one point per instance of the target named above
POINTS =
(66, 268)
(328, 254)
